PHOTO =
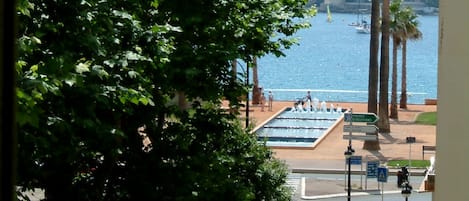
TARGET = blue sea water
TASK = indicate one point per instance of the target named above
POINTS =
(332, 62)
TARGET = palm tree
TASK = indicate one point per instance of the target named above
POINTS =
(373, 69)
(413, 33)
(397, 30)
(393, 109)
(383, 123)
(403, 26)
(256, 91)
(234, 69)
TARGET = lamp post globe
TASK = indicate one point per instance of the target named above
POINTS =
(406, 190)
(348, 154)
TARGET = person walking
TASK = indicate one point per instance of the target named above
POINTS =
(271, 100)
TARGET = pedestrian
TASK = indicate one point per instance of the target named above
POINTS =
(271, 100)
(262, 102)
(308, 96)
(307, 99)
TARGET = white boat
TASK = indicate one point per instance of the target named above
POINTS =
(363, 29)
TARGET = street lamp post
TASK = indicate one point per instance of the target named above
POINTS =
(410, 140)
(406, 190)
(247, 95)
(348, 154)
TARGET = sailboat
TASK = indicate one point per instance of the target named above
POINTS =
(361, 26)
(329, 15)
(362, 29)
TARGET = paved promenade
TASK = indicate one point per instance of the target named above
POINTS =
(328, 155)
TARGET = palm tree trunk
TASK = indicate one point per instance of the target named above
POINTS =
(403, 102)
(383, 123)
(394, 114)
(374, 65)
(234, 69)
(256, 91)
(373, 70)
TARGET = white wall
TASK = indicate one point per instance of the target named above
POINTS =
(452, 141)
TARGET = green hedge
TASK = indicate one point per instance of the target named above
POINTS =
(414, 163)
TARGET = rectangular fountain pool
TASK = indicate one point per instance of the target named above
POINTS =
(297, 128)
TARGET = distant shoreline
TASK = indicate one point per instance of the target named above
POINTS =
(365, 8)
(354, 12)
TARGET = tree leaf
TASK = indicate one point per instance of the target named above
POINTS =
(82, 67)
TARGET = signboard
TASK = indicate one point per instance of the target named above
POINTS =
(361, 117)
(354, 160)
(372, 169)
(361, 137)
(410, 140)
(382, 174)
(361, 128)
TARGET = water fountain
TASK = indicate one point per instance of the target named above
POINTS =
(323, 106)
(297, 126)
(299, 108)
(315, 104)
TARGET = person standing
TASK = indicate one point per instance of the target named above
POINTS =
(271, 100)
(308, 96)
(306, 99)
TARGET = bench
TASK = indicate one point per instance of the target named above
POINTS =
(427, 149)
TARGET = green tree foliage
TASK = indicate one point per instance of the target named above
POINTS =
(86, 82)
(96, 77)
(224, 31)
